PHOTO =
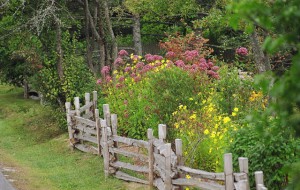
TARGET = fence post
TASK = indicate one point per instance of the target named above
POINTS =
(168, 180)
(151, 157)
(69, 122)
(106, 114)
(77, 106)
(162, 132)
(259, 179)
(105, 150)
(87, 98)
(95, 98)
(228, 170)
(77, 113)
(97, 120)
(114, 126)
(244, 168)
(178, 149)
(261, 187)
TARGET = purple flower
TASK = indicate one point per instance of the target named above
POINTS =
(121, 79)
(179, 63)
(215, 68)
(139, 65)
(127, 69)
(170, 54)
(119, 61)
(108, 78)
(149, 58)
(99, 81)
(105, 70)
(210, 64)
(241, 51)
(158, 57)
(123, 53)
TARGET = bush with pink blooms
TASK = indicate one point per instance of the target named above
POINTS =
(189, 93)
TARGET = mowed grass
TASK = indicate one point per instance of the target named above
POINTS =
(31, 142)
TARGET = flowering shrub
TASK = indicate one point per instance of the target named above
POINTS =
(181, 47)
(147, 90)
(242, 51)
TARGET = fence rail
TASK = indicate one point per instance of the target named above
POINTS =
(158, 165)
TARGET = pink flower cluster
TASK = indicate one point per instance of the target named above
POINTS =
(195, 64)
(242, 51)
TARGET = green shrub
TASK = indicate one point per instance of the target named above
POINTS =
(272, 154)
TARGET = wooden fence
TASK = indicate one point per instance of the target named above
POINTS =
(155, 164)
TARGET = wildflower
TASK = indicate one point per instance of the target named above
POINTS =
(215, 68)
(119, 61)
(233, 113)
(188, 176)
(99, 81)
(108, 78)
(191, 99)
(179, 63)
(241, 51)
(193, 116)
(176, 125)
(105, 70)
(236, 109)
(149, 57)
(206, 131)
(123, 53)
(226, 119)
(127, 69)
(158, 57)
(170, 54)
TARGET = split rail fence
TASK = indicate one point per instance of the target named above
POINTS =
(155, 164)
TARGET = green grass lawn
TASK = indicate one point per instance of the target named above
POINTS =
(31, 142)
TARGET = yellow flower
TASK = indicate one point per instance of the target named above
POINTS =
(233, 114)
(210, 150)
(187, 188)
(236, 109)
(182, 122)
(180, 107)
(191, 99)
(226, 119)
(193, 116)
(188, 176)
(213, 135)
(174, 113)
(206, 131)
(176, 125)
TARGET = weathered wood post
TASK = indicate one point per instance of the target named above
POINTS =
(261, 187)
(105, 150)
(69, 123)
(228, 170)
(98, 128)
(259, 179)
(178, 149)
(77, 106)
(168, 179)
(77, 113)
(179, 154)
(87, 98)
(95, 99)
(114, 128)
(162, 132)
(106, 114)
(150, 157)
(244, 168)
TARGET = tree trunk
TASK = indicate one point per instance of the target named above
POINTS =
(114, 46)
(261, 60)
(59, 50)
(137, 35)
(89, 49)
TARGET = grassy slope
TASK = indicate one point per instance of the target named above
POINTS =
(31, 142)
